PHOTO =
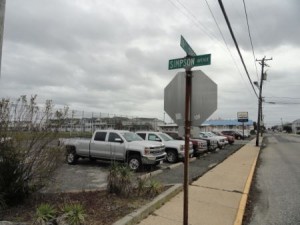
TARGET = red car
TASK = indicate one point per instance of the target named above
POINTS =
(230, 138)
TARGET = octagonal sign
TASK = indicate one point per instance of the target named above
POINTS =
(203, 100)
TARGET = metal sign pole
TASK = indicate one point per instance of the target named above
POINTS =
(243, 131)
(188, 94)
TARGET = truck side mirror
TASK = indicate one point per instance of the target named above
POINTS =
(157, 139)
(118, 140)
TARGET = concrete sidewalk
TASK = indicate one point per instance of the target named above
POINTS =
(217, 198)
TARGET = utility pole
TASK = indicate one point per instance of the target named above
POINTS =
(263, 64)
(2, 15)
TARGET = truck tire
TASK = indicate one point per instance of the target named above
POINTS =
(134, 162)
(71, 157)
(172, 156)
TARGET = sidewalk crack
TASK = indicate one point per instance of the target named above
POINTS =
(219, 189)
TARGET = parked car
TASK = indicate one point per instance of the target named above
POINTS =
(246, 133)
(230, 138)
(174, 135)
(173, 148)
(221, 140)
(236, 134)
(116, 145)
(199, 145)
(212, 143)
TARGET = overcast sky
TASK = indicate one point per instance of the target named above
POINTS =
(112, 56)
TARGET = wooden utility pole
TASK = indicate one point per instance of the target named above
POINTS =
(2, 14)
(263, 64)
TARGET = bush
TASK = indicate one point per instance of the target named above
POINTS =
(13, 184)
(27, 155)
(155, 187)
(44, 214)
(141, 185)
(119, 180)
(74, 214)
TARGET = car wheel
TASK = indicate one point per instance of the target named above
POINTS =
(71, 157)
(171, 156)
(134, 162)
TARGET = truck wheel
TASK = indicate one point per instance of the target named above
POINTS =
(171, 156)
(71, 157)
(134, 162)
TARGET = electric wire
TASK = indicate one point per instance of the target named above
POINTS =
(282, 97)
(236, 44)
(221, 33)
(283, 103)
(250, 38)
(189, 15)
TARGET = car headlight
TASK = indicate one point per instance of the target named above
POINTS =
(147, 150)
(181, 147)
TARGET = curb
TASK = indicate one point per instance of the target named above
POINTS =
(147, 209)
(244, 198)
(172, 166)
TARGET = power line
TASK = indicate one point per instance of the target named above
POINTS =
(284, 103)
(221, 33)
(189, 15)
(236, 44)
(250, 38)
(282, 97)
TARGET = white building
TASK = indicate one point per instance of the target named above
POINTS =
(296, 126)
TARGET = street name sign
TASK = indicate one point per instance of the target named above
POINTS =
(203, 101)
(186, 47)
(189, 62)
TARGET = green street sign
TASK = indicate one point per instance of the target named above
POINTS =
(186, 47)
(189, 62)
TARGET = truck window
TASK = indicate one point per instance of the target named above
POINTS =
(142, 135)
(153, 137)
(100, 136)
(113, 136)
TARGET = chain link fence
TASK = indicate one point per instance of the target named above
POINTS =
(84, 123)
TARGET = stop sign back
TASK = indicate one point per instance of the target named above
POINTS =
(203, 101)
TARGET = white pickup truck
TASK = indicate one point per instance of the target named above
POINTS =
(174, 148)
(115, 145)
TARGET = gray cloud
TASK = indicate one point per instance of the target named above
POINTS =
(113, 56)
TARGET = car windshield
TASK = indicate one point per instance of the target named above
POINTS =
(208, 134)
(203, 135)
(217, 133)
(166, 137)
(130, 136)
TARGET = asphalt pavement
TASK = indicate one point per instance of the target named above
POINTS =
(277, 195)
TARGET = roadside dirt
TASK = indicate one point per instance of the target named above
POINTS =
(100, 207)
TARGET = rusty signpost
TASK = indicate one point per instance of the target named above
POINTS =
(197, 105)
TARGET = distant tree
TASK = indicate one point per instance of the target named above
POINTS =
(28, 146)
(287, 128)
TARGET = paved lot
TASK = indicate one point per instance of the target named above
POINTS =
(199, 166)
(91, 175)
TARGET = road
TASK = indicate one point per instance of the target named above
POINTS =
(277, 182)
